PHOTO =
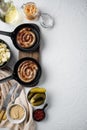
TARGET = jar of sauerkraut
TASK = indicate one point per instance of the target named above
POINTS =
(31, 11)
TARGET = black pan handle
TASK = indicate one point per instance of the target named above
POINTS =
(6, 33)
(6, 79)
(45, 106)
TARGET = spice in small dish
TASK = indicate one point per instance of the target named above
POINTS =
(4, 53)
(17, 112)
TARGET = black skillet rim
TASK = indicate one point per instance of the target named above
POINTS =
(35, 30)
(35, 81)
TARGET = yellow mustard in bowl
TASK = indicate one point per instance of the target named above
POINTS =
(16, 112)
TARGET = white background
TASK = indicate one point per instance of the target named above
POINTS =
(64, 63)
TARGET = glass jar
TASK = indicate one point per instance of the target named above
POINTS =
(31, 11)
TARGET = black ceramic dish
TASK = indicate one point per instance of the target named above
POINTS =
(5, 63)
(39, 114)
(15, 74)
(13, 35)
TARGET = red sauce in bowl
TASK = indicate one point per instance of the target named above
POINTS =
(38, 115)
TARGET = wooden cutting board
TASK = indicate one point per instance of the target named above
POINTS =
(35, 54)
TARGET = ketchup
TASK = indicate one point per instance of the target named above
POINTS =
(39, 114)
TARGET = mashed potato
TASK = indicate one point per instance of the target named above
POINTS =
(4, 53)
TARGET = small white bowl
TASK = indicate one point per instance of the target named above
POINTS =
(39, 106)
(13, 120)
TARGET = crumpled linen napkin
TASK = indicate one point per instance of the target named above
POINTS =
(28, 123)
